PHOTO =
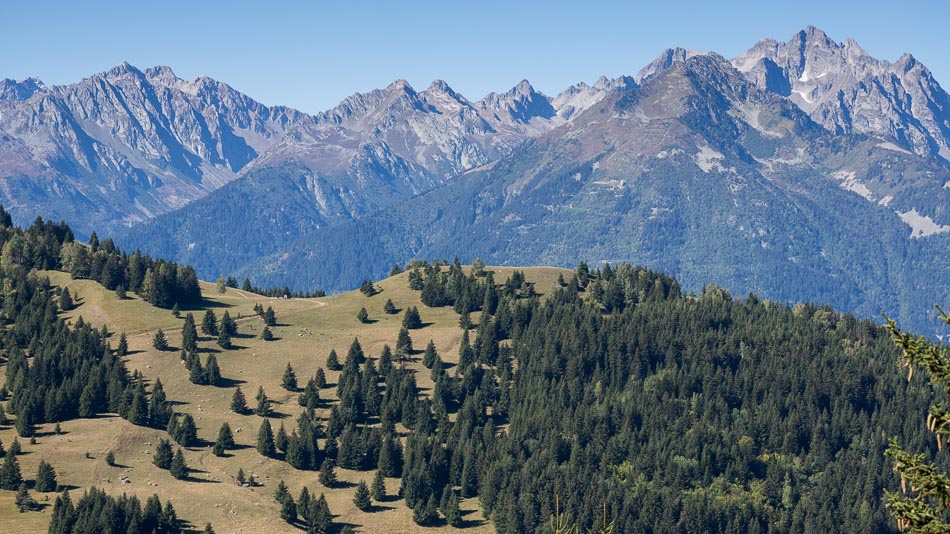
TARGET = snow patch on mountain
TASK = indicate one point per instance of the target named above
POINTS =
(921, 225)
(850, 182)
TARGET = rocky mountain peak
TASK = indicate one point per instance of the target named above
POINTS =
(665, 60)
(20, 90)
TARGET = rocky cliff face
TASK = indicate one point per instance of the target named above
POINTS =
(846, 90)
(125, 145)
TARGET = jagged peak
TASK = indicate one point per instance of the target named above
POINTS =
(122, 69)
(401, 86)
(161, 72)
(22, 89)
(665, 60)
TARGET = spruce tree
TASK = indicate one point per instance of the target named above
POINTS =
(321, 378)
(209, 324)
(224, 339)
(281, 491)
(238, 402)
(362, 315)
(328, 474)
(411, 320)
(66, 300)
(224, 441)
(189, 334)
(451, 511)
(288, 509)
(289, 380)
(178, 469)
(228, 324)
(266, 334)
(390, 308)
(212, 371)
(362, 498)
(110, 459)
(265, 440)
(428, 359)
(425, 514)
(378, 489)
(333, 362)
(403, 343)
(160, 342)
(10, 476)
(123, 349)
(280, 438)
(270, 319)
(208, 529)
(263, 403)
(24, 502)
(45, 478)
(176, 311)
(241, 478)
(162, 458)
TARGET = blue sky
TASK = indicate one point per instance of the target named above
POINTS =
(310, 55)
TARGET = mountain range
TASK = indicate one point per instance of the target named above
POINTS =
(799, 170)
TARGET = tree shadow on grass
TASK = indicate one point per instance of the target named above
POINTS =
(229, 382)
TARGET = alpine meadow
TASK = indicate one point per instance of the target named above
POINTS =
(702, 297)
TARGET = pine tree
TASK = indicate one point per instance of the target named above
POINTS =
(45, 478)
(241, 478)
(362, 497)
(289, 380)
(321, 378)
(178, 469)
(385, 360)
(425, 514)
(265, 440)
(924, 512)
(160, 342)
(449, 506)
(281, 492)
(228, 324)
(238, 402)
(288, 509)
(411, 320)
(110, 459)
(362, 315)
(266, 334)
(220, 285)
(225, 440)
(24, 502)
(209, 324)
(185, 431)
(328, 474)
(10, 477)
(176, 311)
(378, 489)
(333, 362)
(123, 348)
(224, 339)
(403, 343)
(189, 334)
(208, 529)
(162, 458)
(66, 300)
(270, 319)
(263, 403)
(428, 359)
(15, 448)
(212, 371)
(390, 308)
(280, 438)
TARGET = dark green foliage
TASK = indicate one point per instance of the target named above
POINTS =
(10, 476)
(362, 315)
(189, 334)
(238, 402)
(228, 324)
(176, 311)
(209, 324)
(183, 430)
(123, 349)
(178, 469)
(162, 457)
(412, 320)
(361, 499)
(368, 288)
(241, 478)
(160, 341)
(265, 440)
(426, 514)
(333, 362)
(288, 509)
(266, 334)
(208, 529)
(450, 510)
(310, 397)
(212, 372)
(328, 473)
(270, 318)
(110, 459)
(281, 492)
(430, 355)
(378, 489)
(281, 439)
(98, 512)
(224, 339)
(289, 380)
(66, 300)
(24, 502)
(224, 441)
(403, 343)
(263, 403)
(321, 378)
(389, 308)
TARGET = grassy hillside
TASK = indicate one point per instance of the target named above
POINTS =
(307, 330)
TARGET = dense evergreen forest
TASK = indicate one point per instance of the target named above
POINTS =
(621, 401)
(56, 372)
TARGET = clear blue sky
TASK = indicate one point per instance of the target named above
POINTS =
(310, 55)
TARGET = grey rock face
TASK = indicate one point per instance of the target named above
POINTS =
(846, 90)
